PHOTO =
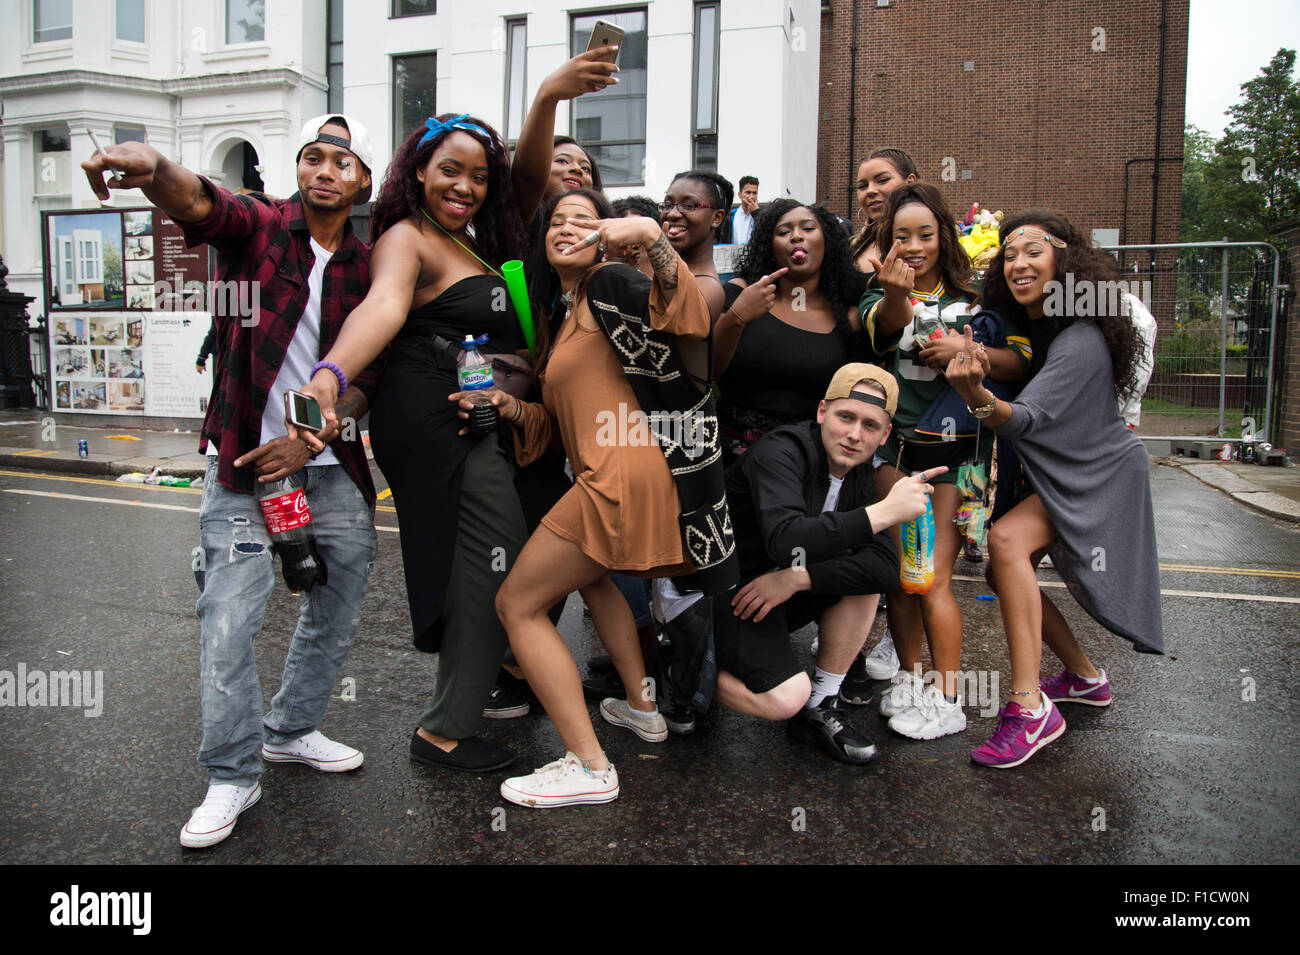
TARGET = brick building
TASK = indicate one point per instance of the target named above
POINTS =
(1012, 104)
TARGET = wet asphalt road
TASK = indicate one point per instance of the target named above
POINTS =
(1180, 768)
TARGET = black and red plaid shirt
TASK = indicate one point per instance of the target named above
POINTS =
(267, 241)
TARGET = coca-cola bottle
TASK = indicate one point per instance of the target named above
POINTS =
(288, 520)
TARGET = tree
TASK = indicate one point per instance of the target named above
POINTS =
(1265, 136)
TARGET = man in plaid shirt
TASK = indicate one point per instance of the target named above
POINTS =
(298, 264)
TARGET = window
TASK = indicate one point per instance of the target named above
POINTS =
(516, 76)
(334, 56)
(705, 88)
(413, 8)
(51, 20)
(610, 124)
(130, 20)
(414, 86)
(53, 164)
(128, 134)
(245, 21)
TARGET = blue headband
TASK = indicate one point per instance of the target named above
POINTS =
(437, 128)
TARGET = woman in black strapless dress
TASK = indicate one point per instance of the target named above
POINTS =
(450, 212)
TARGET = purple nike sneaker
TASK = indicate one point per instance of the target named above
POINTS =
(1019, 736)
(1066, 687)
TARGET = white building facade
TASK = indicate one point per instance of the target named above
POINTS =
(224, 85)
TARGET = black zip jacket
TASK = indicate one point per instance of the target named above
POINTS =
(776, 490)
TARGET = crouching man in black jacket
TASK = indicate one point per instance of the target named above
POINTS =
(814, 544)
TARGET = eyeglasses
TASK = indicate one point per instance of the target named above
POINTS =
(687, 207)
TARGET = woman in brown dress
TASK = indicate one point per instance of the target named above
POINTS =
(622, 512)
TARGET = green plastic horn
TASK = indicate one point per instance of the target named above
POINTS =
(513, 271)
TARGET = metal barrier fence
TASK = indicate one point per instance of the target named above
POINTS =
(1219, 321)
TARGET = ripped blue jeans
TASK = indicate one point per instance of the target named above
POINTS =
(239, 577)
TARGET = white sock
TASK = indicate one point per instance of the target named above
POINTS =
(1093, 680)
(643, 715)
(1042, 708)
(823, 685)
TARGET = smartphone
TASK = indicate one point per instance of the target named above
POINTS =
(304, 410)
(606, 34)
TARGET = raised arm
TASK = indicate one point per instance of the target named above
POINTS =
(753, 301)
(172, 188)
(531, 170)
(895, 277)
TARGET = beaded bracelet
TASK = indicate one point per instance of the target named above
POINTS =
(338, 373)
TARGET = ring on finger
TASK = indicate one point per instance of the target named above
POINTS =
(591, 239)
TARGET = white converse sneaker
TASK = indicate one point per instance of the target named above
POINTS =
(315, 750)
(902, 694)
(215, 819)
(564, 782)
(932, 717)
(882, 662)
(650, 727)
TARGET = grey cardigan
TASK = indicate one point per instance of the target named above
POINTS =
(1093, 477)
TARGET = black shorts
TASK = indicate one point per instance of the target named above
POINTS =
(923, 455)
(759, 654)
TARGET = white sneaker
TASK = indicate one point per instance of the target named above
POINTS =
(650, 728)
(902, 694)
(932, 717)
(315, 750)
(564, 782)
(215, 819)
(882, 662)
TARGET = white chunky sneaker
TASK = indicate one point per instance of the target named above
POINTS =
(215, 819)
(564, 782)
(315, 750)
(650, 728)
(932, 716)
(882, 662)
(904, 689)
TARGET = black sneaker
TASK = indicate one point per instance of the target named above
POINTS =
(679, 714)
(600, 663)
(504, 705)
(826, 728)
(516, 686)
(599, 686)
(857, 688)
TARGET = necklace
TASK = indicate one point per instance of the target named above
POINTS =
(460, 243)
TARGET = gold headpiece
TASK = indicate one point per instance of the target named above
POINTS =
(1029, 232)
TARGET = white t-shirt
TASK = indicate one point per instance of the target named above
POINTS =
(303, 353)
(833, 494)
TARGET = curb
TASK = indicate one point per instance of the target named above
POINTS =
(1269, 503)
(97, 465)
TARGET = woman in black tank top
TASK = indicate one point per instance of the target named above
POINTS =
(788, 323)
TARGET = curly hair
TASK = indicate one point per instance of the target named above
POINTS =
(903, 165)
(498, 226)
(543, 282)
(596, 182)
(640, 205)
(954, 264)
(721, 189)
(1087, 265)
(838, 276)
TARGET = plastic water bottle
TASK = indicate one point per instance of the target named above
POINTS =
(916, 571)
(288, 521)
(475, 374)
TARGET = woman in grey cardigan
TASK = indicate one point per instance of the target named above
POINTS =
(1084, 497)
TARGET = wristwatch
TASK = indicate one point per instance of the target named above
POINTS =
(983, 411)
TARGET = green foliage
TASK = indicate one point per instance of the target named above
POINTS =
(1246, 183)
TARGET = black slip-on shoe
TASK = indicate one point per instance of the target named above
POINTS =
(826, 728)
(472, 755)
